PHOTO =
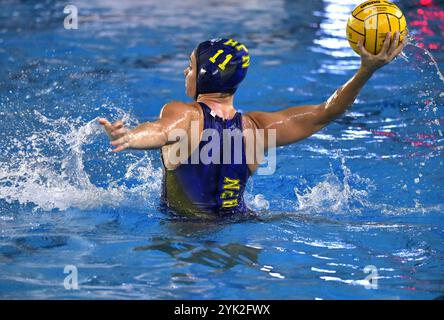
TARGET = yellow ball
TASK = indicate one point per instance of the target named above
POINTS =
(371, 21)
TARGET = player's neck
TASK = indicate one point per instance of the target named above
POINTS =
(222, 106)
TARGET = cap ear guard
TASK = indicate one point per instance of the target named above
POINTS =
(221, 65)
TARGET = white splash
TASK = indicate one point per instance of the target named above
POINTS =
(46, 169)
(333, 194)
(256, 202)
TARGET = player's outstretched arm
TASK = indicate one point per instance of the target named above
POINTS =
(150, 135)
(297, 123)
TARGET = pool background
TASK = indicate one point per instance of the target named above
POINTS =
(366, 190)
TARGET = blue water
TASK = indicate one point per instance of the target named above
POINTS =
(365, 191)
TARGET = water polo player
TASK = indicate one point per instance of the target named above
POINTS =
(192, 185)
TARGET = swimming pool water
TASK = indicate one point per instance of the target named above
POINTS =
(365, 191)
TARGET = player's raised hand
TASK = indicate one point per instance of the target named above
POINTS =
(390, 49)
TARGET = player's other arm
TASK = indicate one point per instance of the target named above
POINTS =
(296, 123)
(150, 135)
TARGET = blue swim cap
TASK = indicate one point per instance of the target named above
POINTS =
(221, 65)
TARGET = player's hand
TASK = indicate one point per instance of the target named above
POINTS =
(114, 130)
(390, 49)
(120, 137)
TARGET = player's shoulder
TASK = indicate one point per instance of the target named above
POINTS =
(251, 120)
(179, 107)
